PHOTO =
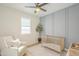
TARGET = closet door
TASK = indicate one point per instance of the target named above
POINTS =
(59, 23)
(74, 24)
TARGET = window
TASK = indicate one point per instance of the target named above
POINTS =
(25, 25)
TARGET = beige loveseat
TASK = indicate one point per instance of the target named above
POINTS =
(55, 43)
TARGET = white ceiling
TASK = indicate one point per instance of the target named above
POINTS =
(50, 7)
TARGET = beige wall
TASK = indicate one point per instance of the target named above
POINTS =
(10, 23)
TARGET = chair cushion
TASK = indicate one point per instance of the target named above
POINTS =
(7, 40)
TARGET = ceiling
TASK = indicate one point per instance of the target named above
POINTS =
(50, 7)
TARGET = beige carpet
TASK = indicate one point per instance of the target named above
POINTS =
(39, 50)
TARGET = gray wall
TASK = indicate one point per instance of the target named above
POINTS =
(59, 23)
(48, 24)
(63, 23)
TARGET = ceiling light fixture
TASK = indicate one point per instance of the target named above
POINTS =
(37, 9)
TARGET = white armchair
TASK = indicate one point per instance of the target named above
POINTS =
(10, 47)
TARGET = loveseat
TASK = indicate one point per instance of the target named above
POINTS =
(55, 43)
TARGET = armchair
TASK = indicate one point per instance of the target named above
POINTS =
(10, 47)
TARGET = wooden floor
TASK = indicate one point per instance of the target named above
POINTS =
(39, 50)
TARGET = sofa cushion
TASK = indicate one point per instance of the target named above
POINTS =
(52, 46)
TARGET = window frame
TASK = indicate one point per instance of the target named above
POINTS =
(25, 26)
